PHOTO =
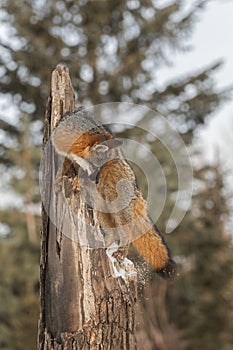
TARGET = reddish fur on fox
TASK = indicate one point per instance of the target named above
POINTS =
(88, 143)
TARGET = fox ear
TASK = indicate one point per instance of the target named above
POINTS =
(102, 148)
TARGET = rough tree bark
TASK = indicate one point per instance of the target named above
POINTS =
(83, 305)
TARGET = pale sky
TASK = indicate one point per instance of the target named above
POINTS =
(211, 40)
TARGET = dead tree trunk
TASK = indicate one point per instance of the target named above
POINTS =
(83, 305)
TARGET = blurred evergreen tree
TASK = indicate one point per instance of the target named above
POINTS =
(19, 287)
(114, 50)
(203, 292)
(199, 313)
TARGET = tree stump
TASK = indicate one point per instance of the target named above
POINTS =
(83, 305)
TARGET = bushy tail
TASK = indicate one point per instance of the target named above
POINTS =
(154, 250)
